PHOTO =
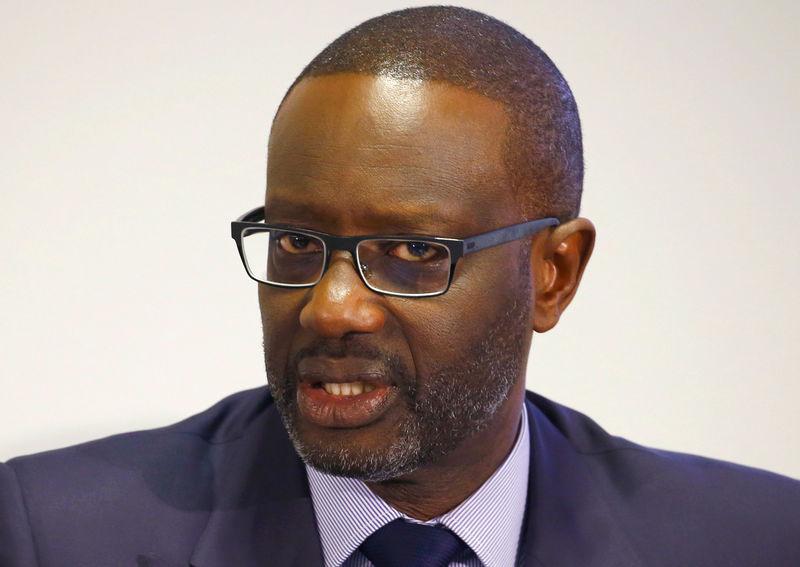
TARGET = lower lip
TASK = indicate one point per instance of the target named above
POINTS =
(329, 410)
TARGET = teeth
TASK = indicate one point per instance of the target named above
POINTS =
(347, 388)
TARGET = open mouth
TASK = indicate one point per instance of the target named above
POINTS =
(355, 403)
(344, 392)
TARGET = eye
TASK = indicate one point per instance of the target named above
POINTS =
(414, 251)
(295, 243)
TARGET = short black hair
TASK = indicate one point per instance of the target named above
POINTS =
(469, 49)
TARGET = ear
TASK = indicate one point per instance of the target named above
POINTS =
(557, 263)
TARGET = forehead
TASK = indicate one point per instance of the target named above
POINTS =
(353, 153)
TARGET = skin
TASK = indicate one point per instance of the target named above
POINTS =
(353, 154)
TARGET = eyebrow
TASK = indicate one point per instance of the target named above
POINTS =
(422, 220)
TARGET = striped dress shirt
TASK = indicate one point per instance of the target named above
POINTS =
(489, 521)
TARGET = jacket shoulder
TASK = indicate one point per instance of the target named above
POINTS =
(595, 444)
(77, 500)
(693, 509)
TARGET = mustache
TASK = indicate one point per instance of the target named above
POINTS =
(392, 364)
(339, 349)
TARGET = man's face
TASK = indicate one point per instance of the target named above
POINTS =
(355, 154)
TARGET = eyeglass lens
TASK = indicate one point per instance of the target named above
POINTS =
(390, 265)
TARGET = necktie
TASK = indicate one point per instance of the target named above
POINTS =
(403, 544)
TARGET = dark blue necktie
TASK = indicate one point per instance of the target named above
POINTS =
(403, 544)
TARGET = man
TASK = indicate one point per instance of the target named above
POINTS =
(420, 221)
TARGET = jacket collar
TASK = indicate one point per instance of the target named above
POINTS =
(569, 522)
(262, 513)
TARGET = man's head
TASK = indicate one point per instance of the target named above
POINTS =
(426, 122)
(543, 151)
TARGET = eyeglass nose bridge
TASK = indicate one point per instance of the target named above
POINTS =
(333, 244)
(348, 244)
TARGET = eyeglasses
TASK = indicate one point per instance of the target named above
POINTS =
(404, 266)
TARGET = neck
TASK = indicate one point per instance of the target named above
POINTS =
(438, 487)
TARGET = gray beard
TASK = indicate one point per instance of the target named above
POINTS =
(444, 409)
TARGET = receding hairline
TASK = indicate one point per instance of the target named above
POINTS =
(425, 128)
(434, 82)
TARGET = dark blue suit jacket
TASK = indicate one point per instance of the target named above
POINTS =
(226, 489)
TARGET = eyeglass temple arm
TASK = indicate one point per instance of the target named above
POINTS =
(507, 234)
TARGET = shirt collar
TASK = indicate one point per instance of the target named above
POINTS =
(489, 520)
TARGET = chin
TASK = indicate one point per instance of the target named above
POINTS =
(353, 454)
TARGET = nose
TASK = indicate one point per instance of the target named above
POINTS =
(340, 302)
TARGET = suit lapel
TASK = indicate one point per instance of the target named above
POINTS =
(569, 523)
(262, 513)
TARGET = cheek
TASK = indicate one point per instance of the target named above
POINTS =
(441, 329)
(280, 313)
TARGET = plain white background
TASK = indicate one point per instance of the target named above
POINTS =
(133, 133)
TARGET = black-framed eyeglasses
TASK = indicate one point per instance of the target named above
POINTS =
(404, 266)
